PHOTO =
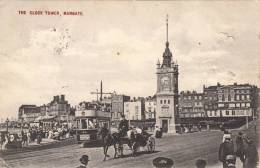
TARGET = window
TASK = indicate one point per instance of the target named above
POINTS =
(247, 104)
(231, 105)
(243, 105)
(161, 101)
(237, 97)
(200, 97)
(136, 109)
(215, 113)
(168, 101)
(238, 105)
(189, 97)
(164, 101)
(165, 109)
(223, 98)
(242, 97)
(221, 105)
(229, 98)
(195, 97)
(227, 112)
(233, 112)
(248, 97)
(210, 113)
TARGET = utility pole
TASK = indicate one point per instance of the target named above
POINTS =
(101, 92)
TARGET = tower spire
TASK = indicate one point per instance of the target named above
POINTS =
(167, 55)
(167, 28)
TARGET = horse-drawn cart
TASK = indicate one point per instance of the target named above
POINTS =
(137, 141)
(134, 142)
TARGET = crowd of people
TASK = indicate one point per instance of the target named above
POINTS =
(245, 150)
(33, 134)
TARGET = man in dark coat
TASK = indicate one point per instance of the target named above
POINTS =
(123, 126)
(240, 147)
(226, 148)
(251, 155)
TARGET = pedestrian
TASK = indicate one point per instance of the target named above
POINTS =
(240, 146)
(226, 134)
(199, 126)
(84, 161)
(251, 155)
(231, 161)
(24, 139)
(28, 137)
(201, 163)
(162, 162)
(226, 148)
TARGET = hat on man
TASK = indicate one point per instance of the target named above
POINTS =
(84, 159)
(201, 163)
(162, 162)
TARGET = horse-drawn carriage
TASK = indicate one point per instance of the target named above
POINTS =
(134, 142)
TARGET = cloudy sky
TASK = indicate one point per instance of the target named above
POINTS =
(120, 43)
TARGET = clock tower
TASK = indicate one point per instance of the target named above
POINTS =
(167, 116)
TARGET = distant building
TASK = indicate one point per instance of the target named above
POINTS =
(58, 107)
(28, 113)
(211, 101)
(237, 100)
(118, 106)
(191, 104)
(134, 109)
(150, 108)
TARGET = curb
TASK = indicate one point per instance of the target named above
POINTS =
(54, 144)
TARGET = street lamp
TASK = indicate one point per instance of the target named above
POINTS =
(22, 125)
(7, 121)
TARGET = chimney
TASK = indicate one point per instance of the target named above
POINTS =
(62, 98)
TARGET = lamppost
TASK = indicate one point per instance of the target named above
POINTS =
(22, 125)
(7, 121)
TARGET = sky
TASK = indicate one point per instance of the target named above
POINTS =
(120, 43)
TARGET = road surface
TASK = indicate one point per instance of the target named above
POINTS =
(184, 149)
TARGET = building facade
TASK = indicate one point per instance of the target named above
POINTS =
(118, 106)
(237, 100)
(58, 107)
(150, 108)
(134, 109)
(211, 101)
(167, 116)
(191, 104)
(28, 113)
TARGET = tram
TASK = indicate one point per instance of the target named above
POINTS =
(89, 118)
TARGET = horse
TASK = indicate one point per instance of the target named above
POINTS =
(108, 140)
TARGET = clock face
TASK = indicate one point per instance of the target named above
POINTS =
(165, 83)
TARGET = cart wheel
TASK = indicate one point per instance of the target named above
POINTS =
(151, 144)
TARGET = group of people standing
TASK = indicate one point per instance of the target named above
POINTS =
(245, 150)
